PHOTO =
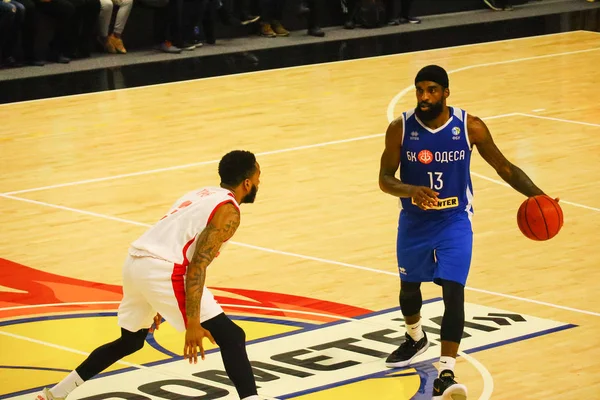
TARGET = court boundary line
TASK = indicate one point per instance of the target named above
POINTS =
(390, 116)
(394, 102)
(304, 147)
(302, 66)
(568, 121)
(301, 256)
(208, 162)
(191, 165)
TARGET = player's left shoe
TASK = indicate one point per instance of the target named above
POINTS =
(47, 395)
(446, 388)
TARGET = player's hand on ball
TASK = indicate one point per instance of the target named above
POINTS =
(556, 199)
(194, 335)
(424, 197)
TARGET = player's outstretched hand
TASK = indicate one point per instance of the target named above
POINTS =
(424, 197)
(194, 335)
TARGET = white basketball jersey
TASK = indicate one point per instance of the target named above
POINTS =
(173, 238)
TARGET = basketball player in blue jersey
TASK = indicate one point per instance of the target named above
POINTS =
(432, 146)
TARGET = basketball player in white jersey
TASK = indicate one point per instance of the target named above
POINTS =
(164, 276)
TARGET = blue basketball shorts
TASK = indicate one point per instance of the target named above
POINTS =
(430, 249)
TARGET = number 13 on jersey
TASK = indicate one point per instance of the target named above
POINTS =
(435, 180)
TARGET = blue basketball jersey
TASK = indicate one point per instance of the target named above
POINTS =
(439, 159)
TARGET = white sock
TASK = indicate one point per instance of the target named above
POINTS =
(415, 331)
(446, 363)
(67, 385)
(253, 397)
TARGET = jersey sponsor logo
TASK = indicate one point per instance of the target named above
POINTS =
(442, 204)
(414, 135)
(456, 133)
(449, 156)
(292, 354)
(425, 157)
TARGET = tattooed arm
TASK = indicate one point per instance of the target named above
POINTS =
(480, 136)
(221, 228)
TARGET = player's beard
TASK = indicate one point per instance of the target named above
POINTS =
(249, 198)
(434, 111)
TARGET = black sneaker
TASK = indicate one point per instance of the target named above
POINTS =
(447, 388)
(407, 352)
(316, 31)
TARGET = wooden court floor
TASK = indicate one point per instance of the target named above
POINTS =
(83, 176)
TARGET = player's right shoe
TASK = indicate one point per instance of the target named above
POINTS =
(47, 395)
(446, 388)
(408, 351)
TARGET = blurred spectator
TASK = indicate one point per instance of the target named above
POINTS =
(82, 27)
(349, 10)
(11, 20)
(168, 25)
(161, 25)
(365, 13)
(308, 8)
(271, 14)
(62, 43)
(113, 43)
(202, 22)
(499, 5)
(28, 33)
(183, 23)
(405, 12)
(211, 10)
(225, 11)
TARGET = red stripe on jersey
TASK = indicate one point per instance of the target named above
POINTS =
(179, 270)
(212, 214)
(178, 282)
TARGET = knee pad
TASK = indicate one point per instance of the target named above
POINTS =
(133, 341)
(225, 331)
(453, 322)
(410, 298)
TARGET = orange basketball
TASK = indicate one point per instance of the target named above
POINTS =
(540, 218)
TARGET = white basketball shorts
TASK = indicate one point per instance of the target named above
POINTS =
(152, 285)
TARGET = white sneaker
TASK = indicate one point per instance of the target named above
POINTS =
(47, 395)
